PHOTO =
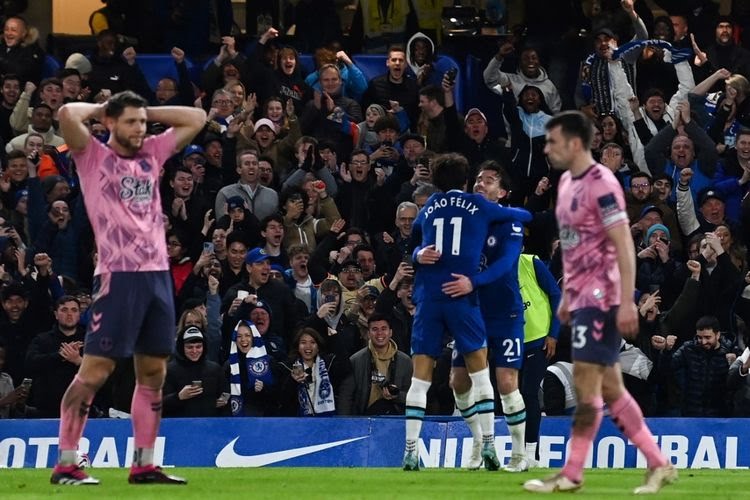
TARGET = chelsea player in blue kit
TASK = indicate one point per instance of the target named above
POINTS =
(449, 234)
(502, 310)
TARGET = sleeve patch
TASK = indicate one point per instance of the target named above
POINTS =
(609, 210)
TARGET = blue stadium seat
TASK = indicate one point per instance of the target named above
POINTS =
(50, 66)
(157, 66)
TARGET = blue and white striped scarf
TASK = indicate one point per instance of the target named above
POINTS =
(320, 403)
(258, 364)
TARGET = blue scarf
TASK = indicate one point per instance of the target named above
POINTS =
(258, 364)
(322, 393)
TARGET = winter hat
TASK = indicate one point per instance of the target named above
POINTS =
(656, 227)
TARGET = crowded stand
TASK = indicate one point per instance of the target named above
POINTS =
(288, 217)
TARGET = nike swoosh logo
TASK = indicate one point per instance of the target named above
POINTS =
(227, 457)
(512, 360)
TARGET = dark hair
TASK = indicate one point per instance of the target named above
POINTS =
(121, 100)
(181, 168)
(652, 92)
(708, 323)
(377, 316)
(573, 124)
(363, 247)
(66, 72)
(663, 177)
(743, 131)
(292, 191)
(268, 159)
(356, 152)
(237, 237)
(50, 81)
(294, 349)
(14, 155)
(505, 181)
(10, 76)
(271, 218)
(638, 174)
(42, 105)
(449, 171)
(354, 230)
(433, 93)
(65, 299)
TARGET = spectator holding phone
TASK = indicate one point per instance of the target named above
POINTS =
(12, 401)
(657, 267)
(194, 385)
(311, 389)
(338, 332)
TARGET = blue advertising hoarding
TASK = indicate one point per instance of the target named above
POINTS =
(363, 442)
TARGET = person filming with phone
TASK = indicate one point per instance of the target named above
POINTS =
(194, 385)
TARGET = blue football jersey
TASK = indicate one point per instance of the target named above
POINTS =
(499, 295)
(457, 223)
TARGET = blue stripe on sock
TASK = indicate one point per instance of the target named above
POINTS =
(516, 418)
(486, 406)
(414, 412)
(468, 412)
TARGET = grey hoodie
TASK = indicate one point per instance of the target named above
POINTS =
(495, 79)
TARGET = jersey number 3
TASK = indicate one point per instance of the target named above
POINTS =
(455, 241)
(579, 336)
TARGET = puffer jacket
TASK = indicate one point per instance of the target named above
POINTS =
(702, 377)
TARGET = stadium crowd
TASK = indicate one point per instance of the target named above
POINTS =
(289, 217)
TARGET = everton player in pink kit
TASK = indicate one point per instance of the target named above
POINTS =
(599, 281)
(133, 310)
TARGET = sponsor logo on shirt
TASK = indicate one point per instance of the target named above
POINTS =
(136, 190)
(569, 237)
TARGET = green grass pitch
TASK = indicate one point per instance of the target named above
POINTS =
(380, 484)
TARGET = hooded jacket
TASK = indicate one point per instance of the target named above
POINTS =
(527, 137)
(495, 78)
(181, 372)
(309, 229)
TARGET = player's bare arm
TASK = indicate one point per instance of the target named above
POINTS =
(72, 118)
(627, 313)
(186, 121)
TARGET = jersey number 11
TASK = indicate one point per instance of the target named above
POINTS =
(455, 241)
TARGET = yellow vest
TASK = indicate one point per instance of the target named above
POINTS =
(537, 311)
(384, 18)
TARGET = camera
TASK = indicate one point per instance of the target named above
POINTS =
(387, 143)
(329, 298)
(208, 247)
(392, 388)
